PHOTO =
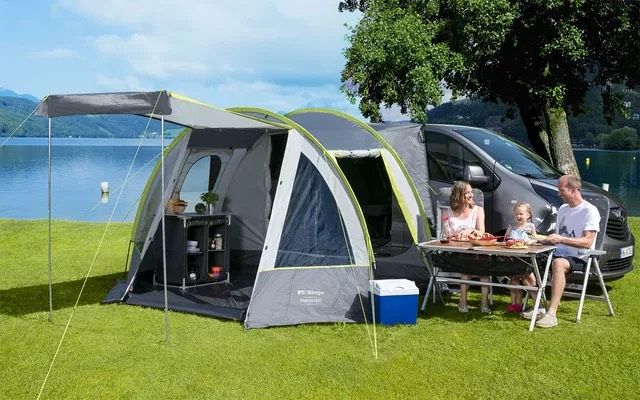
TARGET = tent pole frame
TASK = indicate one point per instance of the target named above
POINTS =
(167, 335)
(49, 229)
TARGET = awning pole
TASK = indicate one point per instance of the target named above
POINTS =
(167, 337)
(49, 207)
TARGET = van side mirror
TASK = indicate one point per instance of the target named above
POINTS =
(474, 174)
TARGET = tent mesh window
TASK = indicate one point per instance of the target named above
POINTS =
(313, 232)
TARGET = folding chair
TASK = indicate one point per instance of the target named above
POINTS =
(443, 208)
(593, 267)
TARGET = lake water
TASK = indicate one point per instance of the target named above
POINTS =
(77, 168)
(620, 169)
(79, 165)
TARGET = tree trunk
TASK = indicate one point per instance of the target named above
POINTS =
(560, 141)
(534, 121)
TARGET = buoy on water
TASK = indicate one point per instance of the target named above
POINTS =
(104, 187)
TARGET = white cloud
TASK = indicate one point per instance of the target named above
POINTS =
(122, 83)
(276, 54)
(55, 54)
(221, 40)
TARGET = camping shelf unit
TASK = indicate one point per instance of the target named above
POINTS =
(208, 263)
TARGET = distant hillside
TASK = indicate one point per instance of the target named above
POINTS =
(584, 128)
(14, 109)
(10, 93)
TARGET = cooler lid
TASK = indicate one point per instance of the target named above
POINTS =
(393, 287)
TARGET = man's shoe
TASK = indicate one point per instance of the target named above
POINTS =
(529, 314)
(463, 308)
(548, 321)
(485, 309)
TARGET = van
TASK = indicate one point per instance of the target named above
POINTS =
(506, 172)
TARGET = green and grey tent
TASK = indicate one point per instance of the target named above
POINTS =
(302, 249)
(294, 215)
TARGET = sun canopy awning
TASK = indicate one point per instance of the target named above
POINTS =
(173, 107)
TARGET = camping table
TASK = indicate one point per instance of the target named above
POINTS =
(527, 256)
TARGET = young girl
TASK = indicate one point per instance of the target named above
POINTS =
(523, 229)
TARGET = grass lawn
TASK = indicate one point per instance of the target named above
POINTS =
(119, 352)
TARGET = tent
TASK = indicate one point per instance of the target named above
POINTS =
(299, 248)
(308, 236)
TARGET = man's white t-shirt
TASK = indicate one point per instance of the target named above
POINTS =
(572, 222)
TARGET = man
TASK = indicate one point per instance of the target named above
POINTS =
(577, 225)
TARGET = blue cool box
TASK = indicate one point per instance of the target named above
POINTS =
(395, 301)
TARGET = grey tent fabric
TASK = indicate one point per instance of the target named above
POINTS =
(335, 132)
(294, 296)
(105, 103)
(177, 109)
(407, 140)
(248, 197)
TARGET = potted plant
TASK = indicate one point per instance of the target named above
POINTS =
(210, 198)
(200, 208)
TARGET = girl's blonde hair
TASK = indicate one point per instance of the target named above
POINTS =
(526, 206)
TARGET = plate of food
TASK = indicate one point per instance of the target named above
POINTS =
(483, 239)
(515, 244)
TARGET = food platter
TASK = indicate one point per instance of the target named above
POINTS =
(516, 244)
(484, 242)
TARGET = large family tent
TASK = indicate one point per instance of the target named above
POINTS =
(299, 247)
(394, 214)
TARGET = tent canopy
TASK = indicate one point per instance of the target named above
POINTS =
(171, 106)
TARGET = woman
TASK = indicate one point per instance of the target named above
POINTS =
(465, 218)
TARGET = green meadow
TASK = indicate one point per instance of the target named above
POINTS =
(119, 352)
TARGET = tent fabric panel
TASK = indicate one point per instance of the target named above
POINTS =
(105, 103)
(150, 207)
(297, 145)
(297, 296)
(216, 139)
(406, 139)
(313, 232)
(174, 107)
(188, 112)
(335, 132)
(182, 303)
(248, 198)
(405, 197)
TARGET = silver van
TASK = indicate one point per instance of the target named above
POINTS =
(505, 171)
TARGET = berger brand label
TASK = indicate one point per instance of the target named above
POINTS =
(310, 296)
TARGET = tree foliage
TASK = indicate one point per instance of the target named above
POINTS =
(624, 138)
(541, 56)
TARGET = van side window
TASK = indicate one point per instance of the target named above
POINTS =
(437, 158)
(451, 156)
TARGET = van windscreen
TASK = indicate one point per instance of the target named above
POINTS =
(510, 154)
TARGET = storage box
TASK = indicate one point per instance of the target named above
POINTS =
(395, 301)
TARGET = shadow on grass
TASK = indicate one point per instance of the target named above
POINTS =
(449, 310)
(32, 299)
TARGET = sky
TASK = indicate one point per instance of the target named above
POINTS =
(280, 55)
